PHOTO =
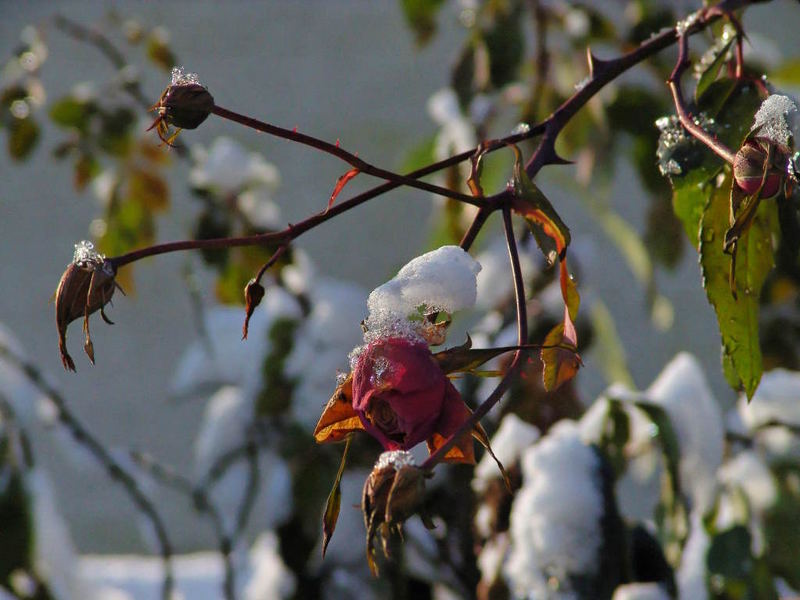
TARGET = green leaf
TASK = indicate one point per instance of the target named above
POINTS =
(160, 53)
(505, 43)
(786, 74)
(737, 316)
(23, 134)
(334, 501)
(69, 112)
(688, 202)
(712, 71)
(729, 555)
(421, 17)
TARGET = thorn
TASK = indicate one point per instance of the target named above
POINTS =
(337, 142)
(294, 129)
(596, 65)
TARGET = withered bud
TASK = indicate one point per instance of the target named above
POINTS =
(393, 492)
(759, 160)
(253, 293)
(185, 104)
(86, 286)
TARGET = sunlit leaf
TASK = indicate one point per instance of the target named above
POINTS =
(338, 419)
(737, 316)
(340, 183)
(551, 233)
(560, 364)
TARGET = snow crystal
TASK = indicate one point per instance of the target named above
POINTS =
(228, 168)
(683, 26)
(682, 390)
(640, 591)
(323, 340)
(512, 437)
(395, 459)
(179, 77)
(520, 128)
(555, 518)
(775, 400)
(748, 472)
(441, 280)
(775, 118)
(85, 254)
(271, 578)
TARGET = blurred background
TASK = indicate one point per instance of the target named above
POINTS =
(347, 70)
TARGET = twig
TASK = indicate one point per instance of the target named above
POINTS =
(106, 48)
(339, 152)
(516, 362)
(202, 503)
(115, 470)
(686, 119)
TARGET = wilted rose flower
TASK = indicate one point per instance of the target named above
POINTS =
(85, 287)
(403, 397)
(392, 493)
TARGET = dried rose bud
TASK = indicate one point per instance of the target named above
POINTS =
(749, 167)
(253, 294)
(85, 287)
(393, 492)
(185, 104)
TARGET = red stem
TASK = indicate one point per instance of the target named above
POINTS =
(686, 120)
(516, 362)
(339, 152)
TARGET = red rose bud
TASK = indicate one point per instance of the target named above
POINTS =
(402, 396)
(749, 166)
(392, 493)
(85, 287)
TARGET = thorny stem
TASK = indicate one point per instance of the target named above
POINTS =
(516, 361)
(112, 466)
(686, 120)
(292, 232)
(202, 503)
(339, 152)
(601, 72)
